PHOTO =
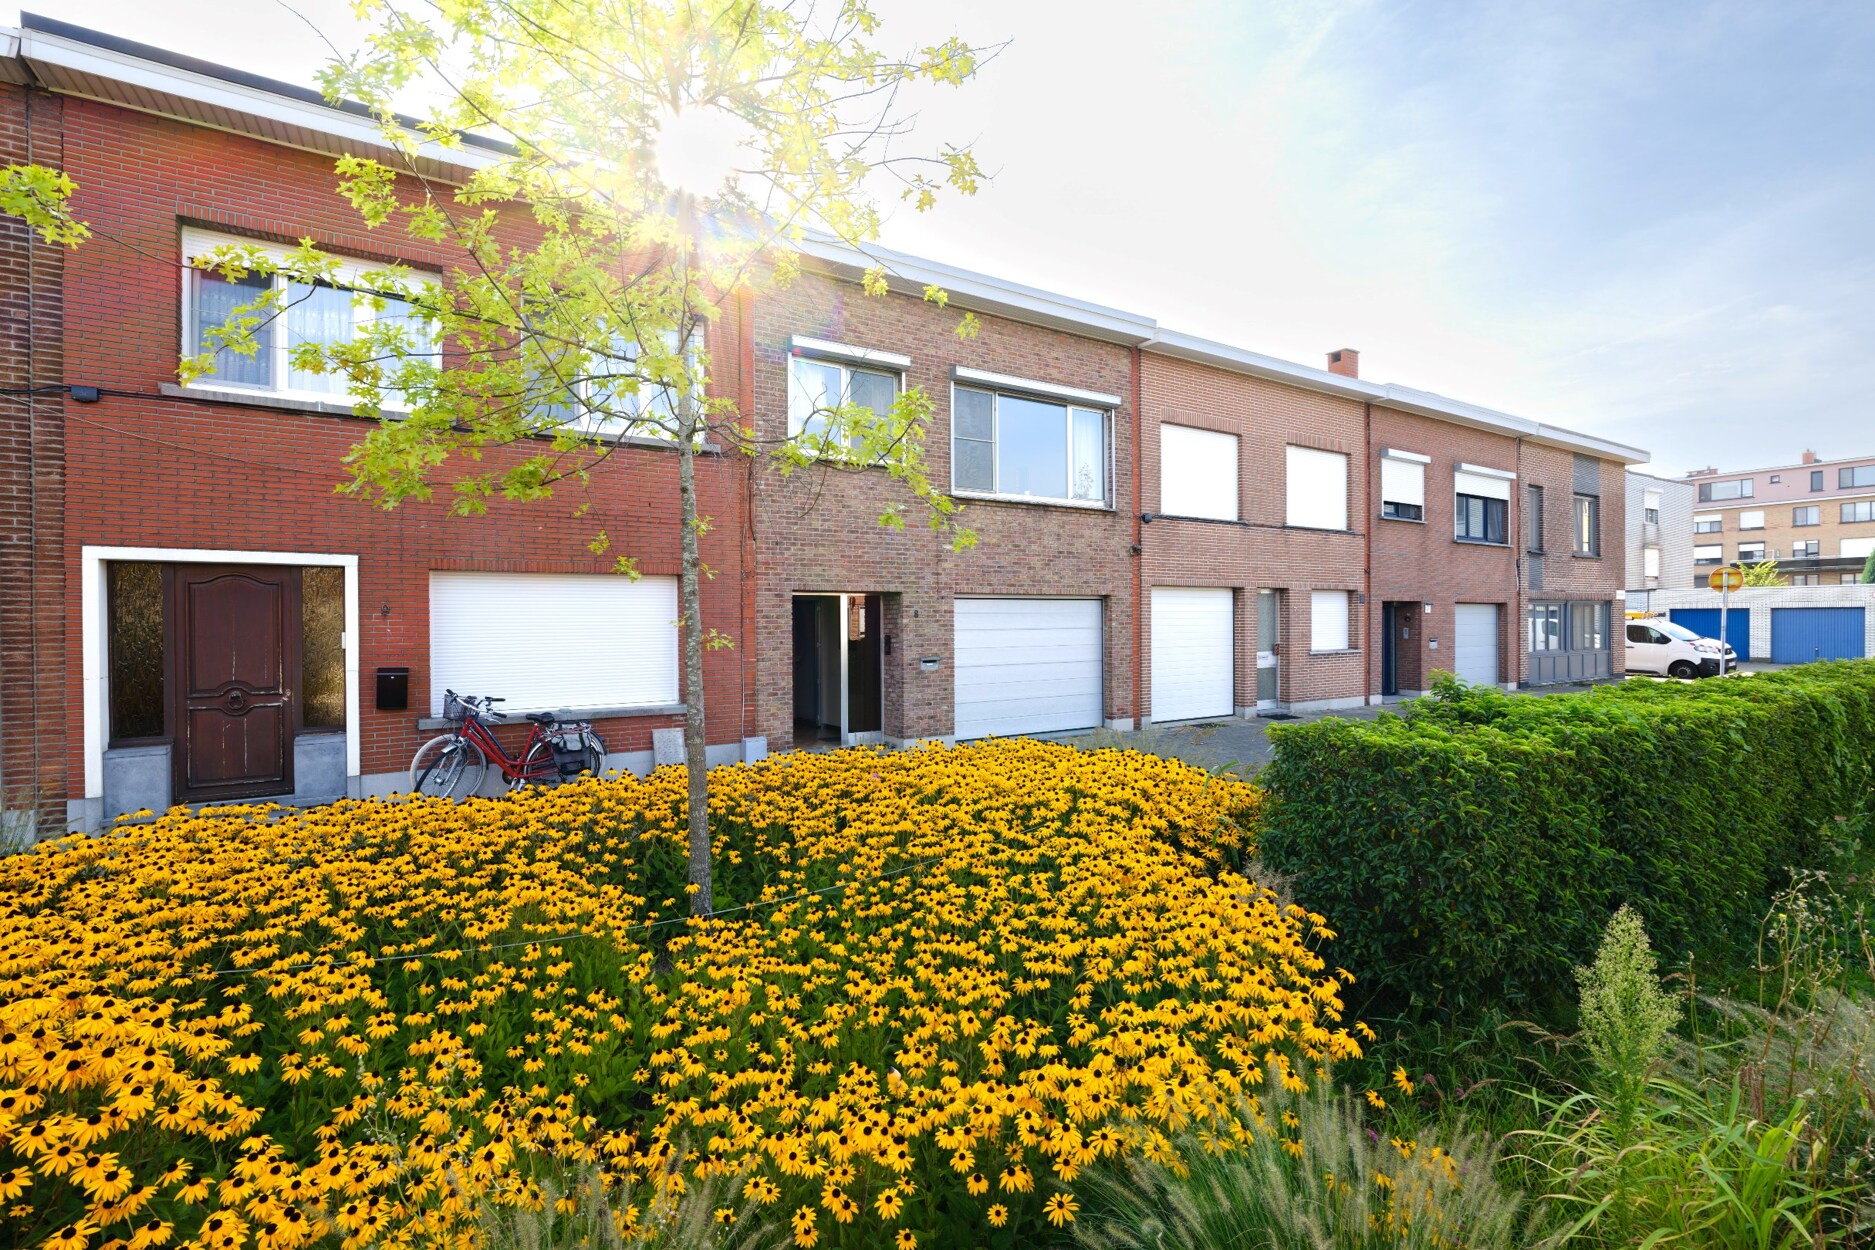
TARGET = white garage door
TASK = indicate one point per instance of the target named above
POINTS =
(1027, 666)
(1192, 646)
(1476, 650)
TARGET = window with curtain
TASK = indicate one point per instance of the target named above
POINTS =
(1588, 528)
(309, 314)
(1588, 626)
(818, 388)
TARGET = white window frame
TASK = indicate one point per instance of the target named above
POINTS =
(1713, 554)
(649, 396)
(1197, 478)
(1806, 549)
(1650, 562)
(350, 272)
(1751, 520)
(847, 360)
(1297, 512)
(1753, 551)
(1345, 617)
(997, 385)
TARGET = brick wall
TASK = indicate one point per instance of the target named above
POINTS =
(818, 529)
(1568, 576)
(153, 471)
(1261, 551)
(1422, 562)
(32, 480)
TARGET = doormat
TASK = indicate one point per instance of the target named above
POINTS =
(1277, 716)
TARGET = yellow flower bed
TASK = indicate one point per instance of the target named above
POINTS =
(953, 979)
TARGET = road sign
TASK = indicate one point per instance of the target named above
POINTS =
(1731, 577)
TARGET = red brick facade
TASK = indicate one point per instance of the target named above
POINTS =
(151, 468)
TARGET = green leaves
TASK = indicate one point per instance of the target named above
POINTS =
(40, 197)
(1473, 849)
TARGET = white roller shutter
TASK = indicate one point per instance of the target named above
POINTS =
(1317, 488)
(544, 641)
(1476, 651)
(1192, 649)
(1402, 481)
(1197, 473)
(1478, 484)
(1027, 666)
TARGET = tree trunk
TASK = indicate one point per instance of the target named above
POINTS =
(690, 606)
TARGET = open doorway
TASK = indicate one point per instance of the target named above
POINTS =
(838, 673)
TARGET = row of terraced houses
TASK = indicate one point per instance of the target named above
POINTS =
(1170, 528)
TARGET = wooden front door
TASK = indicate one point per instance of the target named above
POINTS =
(235, 652)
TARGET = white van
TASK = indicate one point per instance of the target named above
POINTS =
(1657, 645)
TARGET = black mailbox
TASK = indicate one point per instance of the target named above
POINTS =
(393, 689)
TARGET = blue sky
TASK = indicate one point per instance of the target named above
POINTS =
(1649, 221)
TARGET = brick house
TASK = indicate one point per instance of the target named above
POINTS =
(1170, 528)
(190, 613)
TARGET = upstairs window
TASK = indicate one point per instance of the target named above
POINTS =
(1480, 506)
(1710, 524)
(1650, 562)
(1753, 520)
(1856, 512)
(1750, 552)
(1021, 447)
(1740, 488)
(1709, 555)
(1855, 475)
(610, 395)
(1588, 532)
(1807, 549)
(1533, 523)
(1197, 473)
(1816, 479)
(1403, 485)
(315, 313)
(1811, 515)
(819, 388)
(1317, 488)
(1650, 507)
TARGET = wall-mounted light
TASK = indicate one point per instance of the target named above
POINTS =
(1145, 518)
(385, 610)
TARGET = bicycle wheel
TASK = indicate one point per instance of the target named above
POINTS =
(447, 767)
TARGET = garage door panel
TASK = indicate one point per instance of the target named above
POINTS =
(1027, 666)
(1475, 652)
(1802, 635)
(1193, 650)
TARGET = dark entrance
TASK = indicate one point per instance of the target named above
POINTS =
(838, 684)
(1399, 649)
(235, 647)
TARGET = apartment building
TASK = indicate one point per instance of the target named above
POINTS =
(1170, 528)
(1659, 535)
(1815, 518)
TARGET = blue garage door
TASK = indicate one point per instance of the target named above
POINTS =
(1799, 635)
(1705, 623)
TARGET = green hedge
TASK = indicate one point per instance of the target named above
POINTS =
(1471, 851)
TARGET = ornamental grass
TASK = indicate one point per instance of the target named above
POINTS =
(942, 983)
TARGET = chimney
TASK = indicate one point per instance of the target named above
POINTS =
(1809, 457)
(1346, 362)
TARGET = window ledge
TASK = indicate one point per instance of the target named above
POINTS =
(1337, 651)
(331, 408)
(1202, 520)
(1078, 504)
(1480, 542)
(1410, 520)
(1584, 555)
(428, 723)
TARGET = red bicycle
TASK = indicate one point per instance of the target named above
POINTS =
(451, 764)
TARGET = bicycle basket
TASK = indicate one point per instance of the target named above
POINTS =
(453, 708)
